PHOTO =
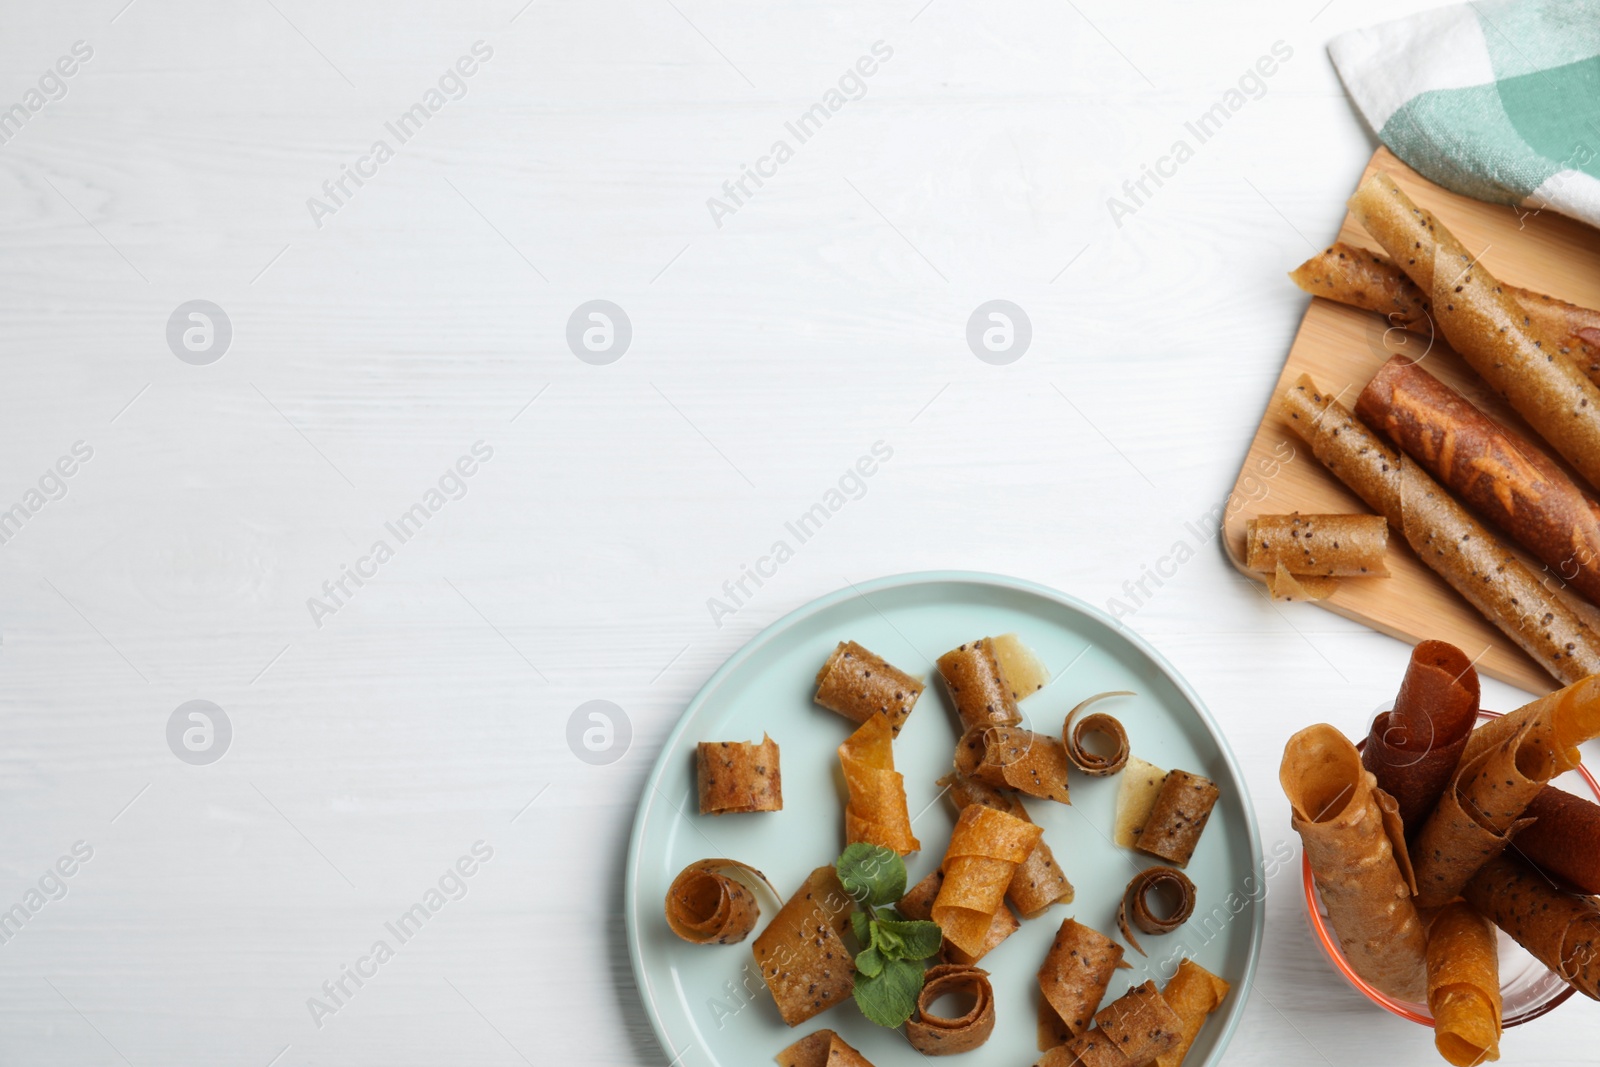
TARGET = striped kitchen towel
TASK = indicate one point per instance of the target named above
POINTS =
(1497, 100)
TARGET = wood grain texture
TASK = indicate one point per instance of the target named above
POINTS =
(1342, 347)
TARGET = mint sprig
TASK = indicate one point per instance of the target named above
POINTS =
(888, 974)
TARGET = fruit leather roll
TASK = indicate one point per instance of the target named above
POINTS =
(1500, 475)
(876, 812)
(1178, 817)
(1464, 985)
(1327, 546)
(1193, 993)
(918, 904)
(801, 954)
(972, 674)
(1039, 881)
(1480, 812)
(1133, 1029)
(704, 905)
(1573, 714)
(1010, 757)
(1561, 929)
(1366, 279)
(1073, 980)
(1414, 750)
(985, 849)
(858, 684)
(933, 1034)
(1485, 325)
(1357, 852)
(1455, 545)
(1564, 839)
(738, 776)
(821, 1049)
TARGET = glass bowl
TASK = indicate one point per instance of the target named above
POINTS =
(1528, 988)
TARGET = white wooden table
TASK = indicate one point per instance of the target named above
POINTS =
(380, 335)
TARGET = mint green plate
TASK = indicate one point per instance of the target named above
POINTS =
(708, 1004)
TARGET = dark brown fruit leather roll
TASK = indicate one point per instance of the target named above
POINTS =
(1564, 839)
(1444, 536)
(1561, 929)
(1414, 750)
(1499, 474)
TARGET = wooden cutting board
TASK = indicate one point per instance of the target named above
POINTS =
(1342, 347)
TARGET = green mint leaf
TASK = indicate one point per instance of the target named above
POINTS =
(871, 874)
(890, 998)
(870, 962)
(888, 942)
(916, 940)
(861, 923)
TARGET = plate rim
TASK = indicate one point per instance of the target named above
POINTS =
(862, 590)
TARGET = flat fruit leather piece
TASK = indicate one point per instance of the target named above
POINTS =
(971, 673)
(938, 1035)
(1573, 713)
(1561, 929)
(801, 955)
(1480, 813)
(821, 1049)
(1011, 757)
(1039, 881)
(1415, 749)
(1073, 980)
(876, 811)
(1564, 839)
(918, 904)
(1283, 585)
(704, 905)
(1370, 280)
(1141, 784)
(1443, 535)
(1134, 1029)
(1022, 670)
(738, 776)
(1485, 325)
(858, 684)
(985, 849)
(1193, 993)
(1318, 546)
(1356, 860)
(1506, 479)
(1178, 817)
(1464, 985)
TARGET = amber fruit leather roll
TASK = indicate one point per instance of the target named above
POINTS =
(1464, 985)
(918, 904)
(801, 954)
(985, 848)
(977, 687)
(1365, 279)
(736, 776)
(1455, 545)
(1327, 546)
(1562, 930)
(1483, 323)
(1573, 714)
(1010, 757)
(1193, 993)
(1073, 980)
(1357, 855)
(1178, 818)
(1564, 839)
(1039, 881)
(1414, 750)
(1133, 1029)
(705, 905)
(821, 1049)
(858, 684)
(1480, 812)
(876, 812)
(1503, 477)
(938, 1035)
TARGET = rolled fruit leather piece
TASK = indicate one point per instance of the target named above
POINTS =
(1506, 479)
(801, 954)
(738, 776)
(1485, 325)
(857, 683)
(1356, 848)
(1564, 839)
(1360, 277)
(972, 674)
(1324, 546)
(1414, 750)
(1448, 540)
(1561, 929)
(1039, 881)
